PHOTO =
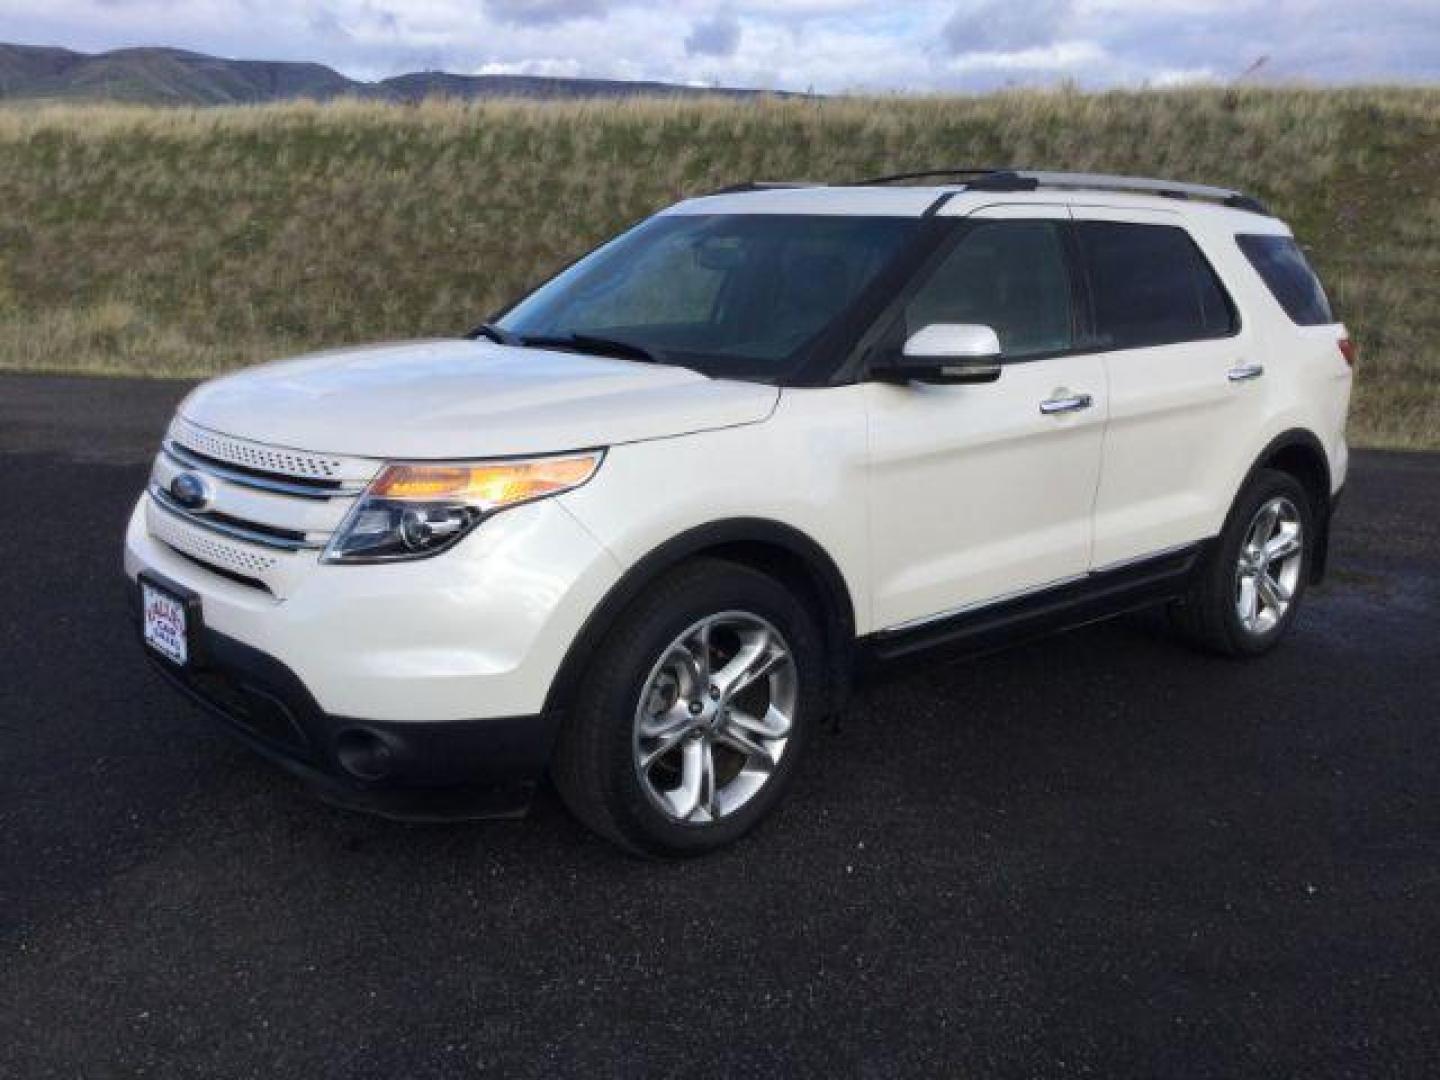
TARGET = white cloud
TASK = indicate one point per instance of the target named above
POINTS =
(1066, 56)
(553, 67)
(1184, 76)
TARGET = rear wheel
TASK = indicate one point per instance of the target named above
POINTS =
(690, 720)
(1246, 596)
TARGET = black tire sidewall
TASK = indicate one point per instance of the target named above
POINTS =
(610, 695)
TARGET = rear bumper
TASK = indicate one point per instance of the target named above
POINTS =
(415, 771)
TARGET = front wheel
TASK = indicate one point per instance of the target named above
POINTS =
(1246, 596)
(691, 718)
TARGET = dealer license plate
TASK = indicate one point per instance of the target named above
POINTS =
(165, 623)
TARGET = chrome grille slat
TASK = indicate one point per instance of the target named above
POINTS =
(225, 528)
(272, 571)
(188, 460)
(209, 549)
(270, 459)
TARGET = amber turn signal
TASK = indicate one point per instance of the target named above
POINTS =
(487, 485)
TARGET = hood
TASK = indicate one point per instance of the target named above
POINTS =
(467, 399)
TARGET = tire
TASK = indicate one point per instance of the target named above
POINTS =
(1213, 614)
(655, 692)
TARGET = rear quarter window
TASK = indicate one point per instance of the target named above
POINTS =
(1151, 286)
(1286, 273)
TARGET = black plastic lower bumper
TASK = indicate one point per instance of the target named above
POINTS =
(425, 771)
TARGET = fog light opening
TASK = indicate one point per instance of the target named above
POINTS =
(364, 754)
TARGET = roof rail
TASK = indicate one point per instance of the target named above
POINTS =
(928, 174)
(764, 185)
(1140, 185)
(1007, 179)
(1010, 179)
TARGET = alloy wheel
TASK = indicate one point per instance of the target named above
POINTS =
(714, 717)
(1268, 569)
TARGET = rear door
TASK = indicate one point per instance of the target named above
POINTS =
(984, 491)
(1185, 382)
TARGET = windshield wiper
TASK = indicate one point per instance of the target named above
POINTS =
(592, 343)
(494, 333)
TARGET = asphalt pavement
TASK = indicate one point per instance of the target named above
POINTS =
(1097, 855)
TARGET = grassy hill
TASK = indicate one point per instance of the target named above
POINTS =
(186, 241)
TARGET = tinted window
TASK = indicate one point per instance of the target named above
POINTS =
(728, 294)
(1151, 286)
(1280, 262)
(1008, 275)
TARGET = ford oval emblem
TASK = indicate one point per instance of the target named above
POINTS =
(192, 491)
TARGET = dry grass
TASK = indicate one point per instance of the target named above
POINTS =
(173, 242)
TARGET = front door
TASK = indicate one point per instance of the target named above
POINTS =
(981, 492)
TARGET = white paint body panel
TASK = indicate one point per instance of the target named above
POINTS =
(805, 467)
(467, 399)
(974, 494)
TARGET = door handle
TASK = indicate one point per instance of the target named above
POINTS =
(1245, 372)
(1074, 403)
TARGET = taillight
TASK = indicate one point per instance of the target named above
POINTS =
(1348, 350)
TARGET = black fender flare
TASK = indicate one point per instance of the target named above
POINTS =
(732, 538)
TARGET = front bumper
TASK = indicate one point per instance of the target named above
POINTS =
(412, 690)
(439, 770)
(479, 631)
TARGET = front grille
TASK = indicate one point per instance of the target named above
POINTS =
(259, 478)
(270, 459)
(271, 510)
(207, 548)
(220, 571)
(252, 532)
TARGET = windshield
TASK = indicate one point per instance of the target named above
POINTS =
(731, 295)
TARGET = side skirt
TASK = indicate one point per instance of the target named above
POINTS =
(1098, 595)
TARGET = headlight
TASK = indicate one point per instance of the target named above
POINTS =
(414, 510)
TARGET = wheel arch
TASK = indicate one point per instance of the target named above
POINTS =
(780, 550)
(1301, 454)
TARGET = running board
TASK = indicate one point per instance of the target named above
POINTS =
(1098, 595)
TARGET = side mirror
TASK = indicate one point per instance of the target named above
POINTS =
(950, 353)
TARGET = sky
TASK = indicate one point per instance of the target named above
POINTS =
(828, 46)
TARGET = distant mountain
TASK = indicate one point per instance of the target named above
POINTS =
(160, 76)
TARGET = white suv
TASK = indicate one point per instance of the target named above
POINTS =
(641, 529)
